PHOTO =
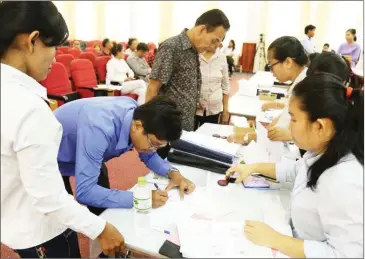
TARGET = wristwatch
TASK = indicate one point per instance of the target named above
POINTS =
(173, 169)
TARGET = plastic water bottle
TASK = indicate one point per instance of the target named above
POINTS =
(142, 196)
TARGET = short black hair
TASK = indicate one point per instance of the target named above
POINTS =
(331, 63)
(323, 95)
(142, 46)
(105, 41)
(309, 28)
(116, 49)
(25, 17)
(66, 43)
(326, 45)
(160, 117)
(234, 44)
(130, 42)
(353, 32)
(289, 47)
(213, 19)
(311, 57)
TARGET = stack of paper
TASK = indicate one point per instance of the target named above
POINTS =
(274, 149)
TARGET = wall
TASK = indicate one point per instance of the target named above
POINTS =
(157, 20)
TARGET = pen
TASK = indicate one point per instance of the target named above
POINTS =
(155, 184)
(162, 230)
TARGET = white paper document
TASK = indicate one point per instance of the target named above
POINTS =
(274, 149)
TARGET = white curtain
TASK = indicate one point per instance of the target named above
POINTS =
(155, 21)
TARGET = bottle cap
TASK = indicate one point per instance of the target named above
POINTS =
(142, 181)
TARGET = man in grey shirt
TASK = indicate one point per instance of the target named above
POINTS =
(176, 69)
(137, 62)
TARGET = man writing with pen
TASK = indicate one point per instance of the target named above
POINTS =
(98, 129)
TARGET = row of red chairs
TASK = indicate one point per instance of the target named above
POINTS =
(58, 83)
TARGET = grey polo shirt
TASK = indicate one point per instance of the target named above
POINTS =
(177, 67)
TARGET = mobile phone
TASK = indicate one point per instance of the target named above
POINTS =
(266, 177)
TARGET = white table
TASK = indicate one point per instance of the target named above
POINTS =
(248, 204)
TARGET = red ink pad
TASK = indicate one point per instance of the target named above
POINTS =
(223, 182)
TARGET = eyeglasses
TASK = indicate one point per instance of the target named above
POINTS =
(154, 147)
(270, 66)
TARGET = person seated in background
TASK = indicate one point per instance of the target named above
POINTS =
(214, 89)
(137, 62)
(107, 47)
(131, 46)
(308, 43)
(97, 48)
(229, 52)
(98, 129)
(76, 45)
(287, 60)
(350, 50)
(66, 43)
(119, 74)
(328, 182)
(326, 48)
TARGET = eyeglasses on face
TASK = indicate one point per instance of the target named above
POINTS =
(154, 147)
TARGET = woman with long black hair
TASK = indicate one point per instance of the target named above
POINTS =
(327, 120)
(38, 218)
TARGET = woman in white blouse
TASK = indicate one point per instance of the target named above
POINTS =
(287, 60)
(38, 218)
(214, 90)
(119, 73)
(327, 120)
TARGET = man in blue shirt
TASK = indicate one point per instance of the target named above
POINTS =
(98, 129)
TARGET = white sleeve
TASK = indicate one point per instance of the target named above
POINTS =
(340, 208)
(36, 146)
(286, 170)
(110, 73)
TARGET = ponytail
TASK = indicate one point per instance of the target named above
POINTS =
(323, 95)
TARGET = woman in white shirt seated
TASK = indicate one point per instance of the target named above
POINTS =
(287, 60)
(119, 73)
(38, 218)
(229, 52)
(326, 208)
(214, 90)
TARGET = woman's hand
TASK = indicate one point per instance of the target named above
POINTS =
(279, 134)
(243, 170)
(261, 234)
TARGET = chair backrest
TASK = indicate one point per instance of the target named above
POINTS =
(59, 52)
(101, 67)
(90, 44)
(64, 49)
(92, 50)
(66, 60)
(83, 73)
(57, 81)
(89, 56)
(74, 52)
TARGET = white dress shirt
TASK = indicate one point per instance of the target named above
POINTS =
(309, 45)
(215, 83)
(117, 70)
(35, 206)
(284, 119)
(330, 218)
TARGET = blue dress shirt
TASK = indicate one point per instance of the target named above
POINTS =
(96, 130)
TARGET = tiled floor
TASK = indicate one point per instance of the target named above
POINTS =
(123, 174)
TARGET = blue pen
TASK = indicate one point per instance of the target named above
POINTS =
(162, 230)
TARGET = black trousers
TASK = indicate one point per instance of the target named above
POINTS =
(103, 181)
(230, 62)
(200, 120)
(65, 245)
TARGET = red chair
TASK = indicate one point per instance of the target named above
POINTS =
(64, 49)
(58, 85)
(58, 52)
(92, 50)
(74, 52)
(100, 63)
(84, 78)
(66, 60)
(90, 44)
(89, 56)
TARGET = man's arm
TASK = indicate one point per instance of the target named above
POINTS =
(137, 67)
(92, 141)
(161, 72)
